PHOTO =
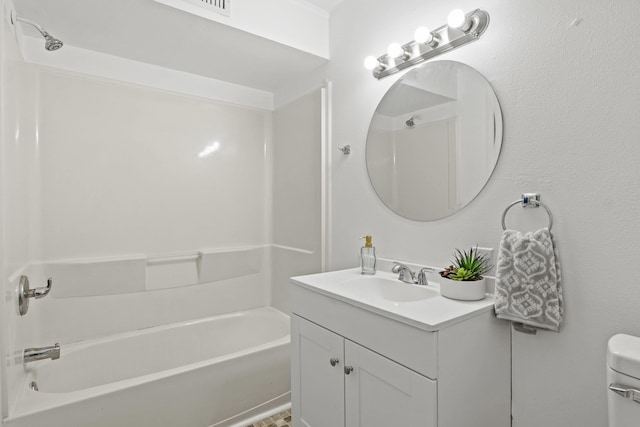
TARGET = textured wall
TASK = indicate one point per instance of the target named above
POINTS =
(567, 75)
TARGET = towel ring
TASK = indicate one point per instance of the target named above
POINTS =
(528, 200)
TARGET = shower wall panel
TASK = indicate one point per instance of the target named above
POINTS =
(128, 170)
(21, 208)
(296, 193)
(135, 179)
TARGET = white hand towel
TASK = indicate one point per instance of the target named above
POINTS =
(528, 280)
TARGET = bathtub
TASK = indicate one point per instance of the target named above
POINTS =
(228, 370)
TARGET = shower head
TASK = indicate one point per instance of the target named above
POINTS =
(411, 122)
(50, 43)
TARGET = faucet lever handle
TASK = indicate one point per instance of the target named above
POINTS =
(396, 267)
(38, 293)
(422, 276)
(25, 293)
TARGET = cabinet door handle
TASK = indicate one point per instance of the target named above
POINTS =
(348, 369)
(334, 361)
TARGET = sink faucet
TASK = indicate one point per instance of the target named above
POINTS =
(40, 353)
(405, 273)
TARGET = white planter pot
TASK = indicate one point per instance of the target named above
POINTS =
(466, 291)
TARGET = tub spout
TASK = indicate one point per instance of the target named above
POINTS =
(40, 353)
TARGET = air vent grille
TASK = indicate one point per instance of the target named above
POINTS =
(221, 6)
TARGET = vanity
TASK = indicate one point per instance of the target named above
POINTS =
(373, 351)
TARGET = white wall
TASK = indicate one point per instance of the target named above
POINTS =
(567, 76)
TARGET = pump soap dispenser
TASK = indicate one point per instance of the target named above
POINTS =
(368, 256)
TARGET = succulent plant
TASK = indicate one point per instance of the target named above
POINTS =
(467, 266)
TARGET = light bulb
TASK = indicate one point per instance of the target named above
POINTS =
(423, 35)
(457, 19)
(371, 62)
(395, 50)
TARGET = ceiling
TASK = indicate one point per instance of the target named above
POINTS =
(146, 31)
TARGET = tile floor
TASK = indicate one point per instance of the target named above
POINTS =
(283, 419)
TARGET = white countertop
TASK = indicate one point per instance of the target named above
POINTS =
(429, 314)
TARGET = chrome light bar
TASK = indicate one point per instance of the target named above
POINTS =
(461, 29)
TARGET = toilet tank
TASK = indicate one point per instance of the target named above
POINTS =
(623, 381)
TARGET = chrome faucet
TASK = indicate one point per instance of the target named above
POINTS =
(404, 273)
(40, 353)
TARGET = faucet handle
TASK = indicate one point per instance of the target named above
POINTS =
(397, 267)
(422, 276)
(25, 293)
(38, 293)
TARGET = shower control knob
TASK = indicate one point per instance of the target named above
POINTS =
(334, 361)
(348, 369)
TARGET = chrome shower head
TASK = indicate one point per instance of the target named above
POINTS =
(411, 122)
(50, 43)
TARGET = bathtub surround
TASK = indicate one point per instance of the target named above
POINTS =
(4, 329)
(297, 193)
(151, 204)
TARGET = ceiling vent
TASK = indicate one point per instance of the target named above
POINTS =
(222, 7)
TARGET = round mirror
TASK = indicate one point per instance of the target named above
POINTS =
(434, 140)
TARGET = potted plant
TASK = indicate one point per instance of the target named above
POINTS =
(464, 280)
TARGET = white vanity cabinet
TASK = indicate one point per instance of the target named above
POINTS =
(339, 382)
(357, 365)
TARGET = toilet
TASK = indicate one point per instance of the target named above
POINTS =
(623, 381)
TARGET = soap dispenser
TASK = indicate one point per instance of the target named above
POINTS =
(368, 256)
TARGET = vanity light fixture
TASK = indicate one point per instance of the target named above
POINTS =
(461, 29)
(397, 52)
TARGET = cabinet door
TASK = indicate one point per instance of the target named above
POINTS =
(317, 387)
(382, 393)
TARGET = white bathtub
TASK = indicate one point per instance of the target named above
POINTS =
(227, 370)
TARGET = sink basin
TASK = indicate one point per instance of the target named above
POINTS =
(387, 289)
(419, 306)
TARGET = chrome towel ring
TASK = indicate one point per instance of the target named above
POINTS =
(528, 200)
